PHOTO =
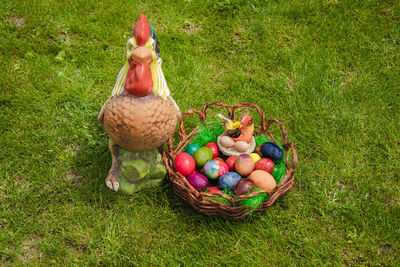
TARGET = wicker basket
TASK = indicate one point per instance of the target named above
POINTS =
(200, 200)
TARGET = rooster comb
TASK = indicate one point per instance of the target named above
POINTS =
(141, 32)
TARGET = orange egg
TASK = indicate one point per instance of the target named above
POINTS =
(263, 180)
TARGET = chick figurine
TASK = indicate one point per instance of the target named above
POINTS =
(238, 134)
(140, 115)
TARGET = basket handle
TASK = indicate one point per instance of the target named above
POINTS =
(202, 114)
(284, 134)
(294, 157)
(182, 132)
(216, 103)
(285, 143)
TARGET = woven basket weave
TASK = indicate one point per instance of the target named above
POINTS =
(200, 200)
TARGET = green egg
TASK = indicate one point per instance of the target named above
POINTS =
(202, 155)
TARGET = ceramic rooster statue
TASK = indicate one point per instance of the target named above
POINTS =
(140, 115)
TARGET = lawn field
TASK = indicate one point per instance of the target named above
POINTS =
(329, 69)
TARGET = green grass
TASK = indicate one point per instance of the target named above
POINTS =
(329, 69)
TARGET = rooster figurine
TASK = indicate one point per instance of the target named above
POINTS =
(140, 115)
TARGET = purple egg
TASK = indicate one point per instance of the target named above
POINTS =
(243, 187)
(198, 181)
(229, 180)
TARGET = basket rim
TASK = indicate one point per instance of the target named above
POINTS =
(200, 200)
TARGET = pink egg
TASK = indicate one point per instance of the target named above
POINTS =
(184, 164)
(244, 165)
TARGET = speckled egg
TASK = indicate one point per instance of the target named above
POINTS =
(226, 141)
(191, 148)
(229, 180)
(241, 146)
(263, 180)
(265, 164)
(215, 168)
(244, 164)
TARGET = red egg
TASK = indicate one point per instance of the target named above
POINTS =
(219, 159)
(265, 164)
(214, 148)
(213, 189)
(231, 163)
(184, 164)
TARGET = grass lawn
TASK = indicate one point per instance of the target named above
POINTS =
(330, 69)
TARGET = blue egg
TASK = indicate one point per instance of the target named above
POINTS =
(191, 148)
(229, 180)
(271, 151)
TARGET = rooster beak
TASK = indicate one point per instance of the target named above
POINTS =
(142, 55)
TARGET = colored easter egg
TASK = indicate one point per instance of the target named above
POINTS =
(255, 156)
(215, 168)
(271, 151)
(263, 180)
(241, 146)
(198, 181)
(191, 148)
(226, 141)
(244, 165)
(202, 155)
(231, 163)
(214, 148)
(184, 164)
(229, 180)
(244, 186)
(213, 189)
(265, 164)
(219, 159)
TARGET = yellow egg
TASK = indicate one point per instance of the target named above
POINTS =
(226, 141)
(255, 157)
(263, 180)
(241, 146)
